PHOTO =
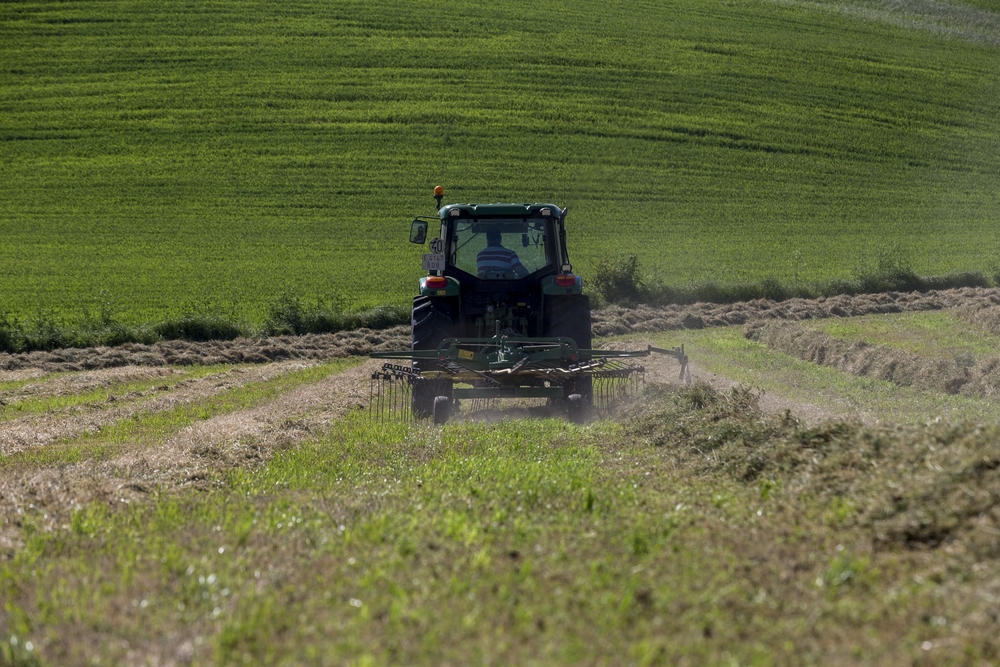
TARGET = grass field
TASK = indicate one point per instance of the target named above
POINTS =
(209, 157)
(698, 530)
(216, 158)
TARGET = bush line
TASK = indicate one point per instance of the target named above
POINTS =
(288, 316)
(619, 281)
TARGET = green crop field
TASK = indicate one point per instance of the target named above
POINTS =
(159, 159)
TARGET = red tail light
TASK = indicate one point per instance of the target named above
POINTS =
(566, 280)
(436, 282)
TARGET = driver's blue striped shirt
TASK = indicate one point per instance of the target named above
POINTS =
(496, 258)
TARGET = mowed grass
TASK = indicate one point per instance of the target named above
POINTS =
(209, 157)
(531, 542)
(820, 392)
(146, 428)
(16, 404)
(936, 335)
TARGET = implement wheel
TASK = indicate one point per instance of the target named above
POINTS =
(442, 409)
(425, 395)
(575, 409)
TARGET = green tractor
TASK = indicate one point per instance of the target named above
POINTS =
(502, 313)
(498, 269)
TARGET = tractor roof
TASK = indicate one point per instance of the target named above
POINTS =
(498, 210)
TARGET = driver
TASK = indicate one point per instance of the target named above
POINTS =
(495, 259)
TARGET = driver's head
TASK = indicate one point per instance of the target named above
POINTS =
(493, 237)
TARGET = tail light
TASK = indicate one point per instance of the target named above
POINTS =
(436, 282)
(566, 280)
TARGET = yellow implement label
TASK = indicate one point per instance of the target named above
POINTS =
(465, 354)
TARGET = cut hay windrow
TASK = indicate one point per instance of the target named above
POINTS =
(960, 375)
(618, 320)
(984, 314)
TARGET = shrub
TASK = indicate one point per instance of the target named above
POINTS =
(11, 337)
(284, 317)
(288, 316)
(890, 272)
(618, 280)
(199, 327)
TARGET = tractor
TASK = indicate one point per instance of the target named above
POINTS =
(502, 312)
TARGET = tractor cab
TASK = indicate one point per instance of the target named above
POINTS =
(499, 262)
(494, 246)
(496, 270)
(500, 248)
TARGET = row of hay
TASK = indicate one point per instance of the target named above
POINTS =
(618, 320)
(961, 375)
(356, 343)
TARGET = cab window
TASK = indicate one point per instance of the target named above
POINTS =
(501, 249)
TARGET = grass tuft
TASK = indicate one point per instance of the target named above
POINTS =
(199, 328)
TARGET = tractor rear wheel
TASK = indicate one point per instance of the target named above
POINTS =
(434, 319)
(569, 317)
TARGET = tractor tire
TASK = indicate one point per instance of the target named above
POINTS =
(569, 317)
(434, 319)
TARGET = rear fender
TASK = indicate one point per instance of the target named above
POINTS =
(451, 289)
(549, 287)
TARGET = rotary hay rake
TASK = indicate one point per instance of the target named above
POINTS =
(486, 370)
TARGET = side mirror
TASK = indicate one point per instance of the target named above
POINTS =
(418, 231)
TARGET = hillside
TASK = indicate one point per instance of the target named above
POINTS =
(160, 159)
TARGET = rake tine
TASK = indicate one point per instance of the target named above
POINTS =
(395, 398)
(381, 397)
